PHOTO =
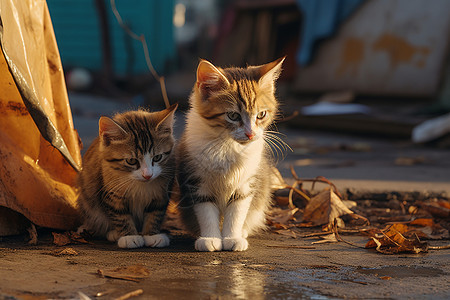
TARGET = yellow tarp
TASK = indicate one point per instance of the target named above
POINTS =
(39, 148)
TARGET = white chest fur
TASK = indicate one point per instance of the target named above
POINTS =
(223, 164)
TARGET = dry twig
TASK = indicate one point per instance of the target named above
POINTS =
(131, 294)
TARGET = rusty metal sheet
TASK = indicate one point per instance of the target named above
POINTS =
(387, 47)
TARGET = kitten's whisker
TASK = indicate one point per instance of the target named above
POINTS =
(275, 132)
(277, 143)
(280, 140)
(273, 146)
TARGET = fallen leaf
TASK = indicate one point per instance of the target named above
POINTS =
(283, 216)
(286, 232)
(422, 222)
(131, 273)
(324, 208)
(64, 252)
(355, 220)
(445, 204)
(61, 239)
(329, 238)
(393, 242)
(68, 237)
(427, 229)
(385, 277)
(436, 210)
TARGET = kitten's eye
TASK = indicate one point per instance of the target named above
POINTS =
(157, 158)
(132, 161)
(234, 116)
(261, 114)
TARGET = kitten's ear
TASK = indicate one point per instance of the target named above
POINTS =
(108, 130)
(209, 78)
(269, 73)
(167, 118)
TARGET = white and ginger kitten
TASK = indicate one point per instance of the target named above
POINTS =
(223, 161)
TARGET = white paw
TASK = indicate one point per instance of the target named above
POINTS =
(235, 244)
(131, 241)
(112, 236)
(157, 240)
(208, 244)
(244, 233)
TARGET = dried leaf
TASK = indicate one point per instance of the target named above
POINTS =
(422, 222)
(287, 232)
(393, 242)
(68, 237)
(355, 220)
(61, 239)
(283, 216)
(64, 252)
(324, 208)
(436, 210)
(131, 273)
(426, 228)
(445, 204)
(329, 238)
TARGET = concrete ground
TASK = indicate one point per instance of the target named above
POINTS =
(274, 266)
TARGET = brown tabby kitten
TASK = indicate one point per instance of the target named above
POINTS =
(125, 178)
(223, 161)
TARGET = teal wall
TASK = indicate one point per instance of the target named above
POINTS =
(77, 32)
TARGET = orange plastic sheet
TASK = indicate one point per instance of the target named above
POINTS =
(39, 147)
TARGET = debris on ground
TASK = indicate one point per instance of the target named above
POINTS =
(33, 235)
(67, 238)
(131, 273)
(393, 222)
(131, 294)
(64, 252)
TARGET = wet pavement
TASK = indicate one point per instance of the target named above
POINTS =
(274, 266)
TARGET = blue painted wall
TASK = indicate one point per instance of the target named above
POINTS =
(77, 32)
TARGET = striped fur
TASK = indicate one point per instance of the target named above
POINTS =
(125, 178)
(223, 161)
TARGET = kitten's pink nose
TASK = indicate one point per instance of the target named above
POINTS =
(146, 177)
(146, 174)
(250, 135)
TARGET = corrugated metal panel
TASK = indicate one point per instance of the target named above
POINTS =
(77, 32)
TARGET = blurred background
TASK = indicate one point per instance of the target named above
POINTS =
(366, 67)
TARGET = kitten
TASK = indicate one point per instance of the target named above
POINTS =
(223, 162)
(125, 178)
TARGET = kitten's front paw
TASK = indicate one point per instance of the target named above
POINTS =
(131, 241)
(208, 244)
(235, 244)
(157, 240)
